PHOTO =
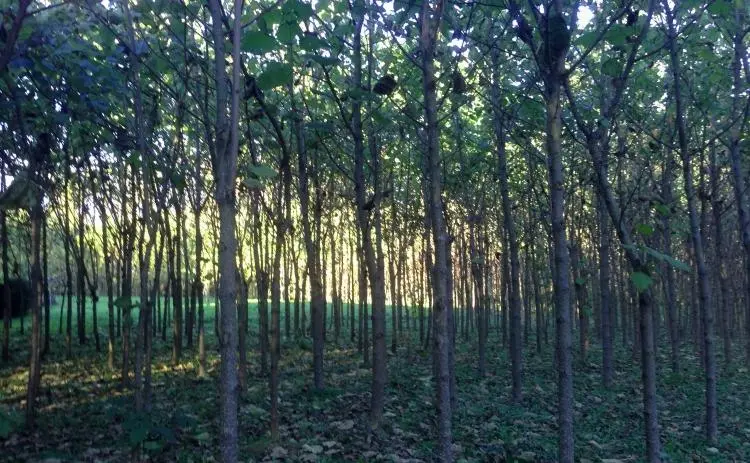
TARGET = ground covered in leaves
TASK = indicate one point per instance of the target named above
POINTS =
(85, 416)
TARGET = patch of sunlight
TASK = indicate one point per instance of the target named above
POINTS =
(187, 365)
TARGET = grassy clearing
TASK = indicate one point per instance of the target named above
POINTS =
(84, 415)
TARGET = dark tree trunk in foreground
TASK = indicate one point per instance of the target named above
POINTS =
(225, 170)
(430, 20)
(38, 160)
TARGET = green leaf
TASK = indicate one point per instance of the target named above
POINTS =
(203, 437)
(645, 230)
(262, 171)
(252, 183)
(303, 10)
(311, 42)
(153, 445)
(275, 74)
(25, 33)
(273, 17)
(580, 281)
(258, 43)
(256, 411)
(618, 34)
(588, 39)
(287, 32)
(662, 209)
(9, 423)
(137, 435)
(343, 30)
(324, 61)
(641, 280)
(721, 8)
(668, 259)
(19, 194)
(612, 67)
(678, 264)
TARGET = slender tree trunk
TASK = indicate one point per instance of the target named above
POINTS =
(242, 318)
(669, 289)
(263, 288)
(430, 19)
(539, 312)
(317, 305)
(225, 170)
(717, 202)
(477, 270)
(735, 154)
(198, 289)
(605, 312)
(37, 161)
(297, 293)
(177, 325)
(704, 285)
(6, 284)
(509, 225)
(45, 286)
(35, 367)
(110, 292)
(81, 266)
(188, 301)
(553, 75)
(287, 283)
(581, 294)
(68, 270)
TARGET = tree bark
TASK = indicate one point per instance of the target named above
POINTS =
(37, 162)
(6, 286)
(735, 154)
(509, 225)
(225, 171)
(704, 285)
(430, 19)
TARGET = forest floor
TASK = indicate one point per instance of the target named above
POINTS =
(85, 416)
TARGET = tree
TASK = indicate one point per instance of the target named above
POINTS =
(226, 147)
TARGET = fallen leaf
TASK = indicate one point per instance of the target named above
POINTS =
(316, 449)
(343, 425)
(279, 452)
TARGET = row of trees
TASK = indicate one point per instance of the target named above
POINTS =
(473, 165)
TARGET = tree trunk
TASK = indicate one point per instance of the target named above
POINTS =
(509, 225)
(604, 294)
(317, 304)
(81, 267)
(6, 286)
(225, 170)
(35, 367)
(430, 19)
(45, 285)
(717, 202)
(263, 288)
(176, 278)
(198, 288)
(704, 285)
(735, 154)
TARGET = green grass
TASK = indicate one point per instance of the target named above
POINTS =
(84, 415)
